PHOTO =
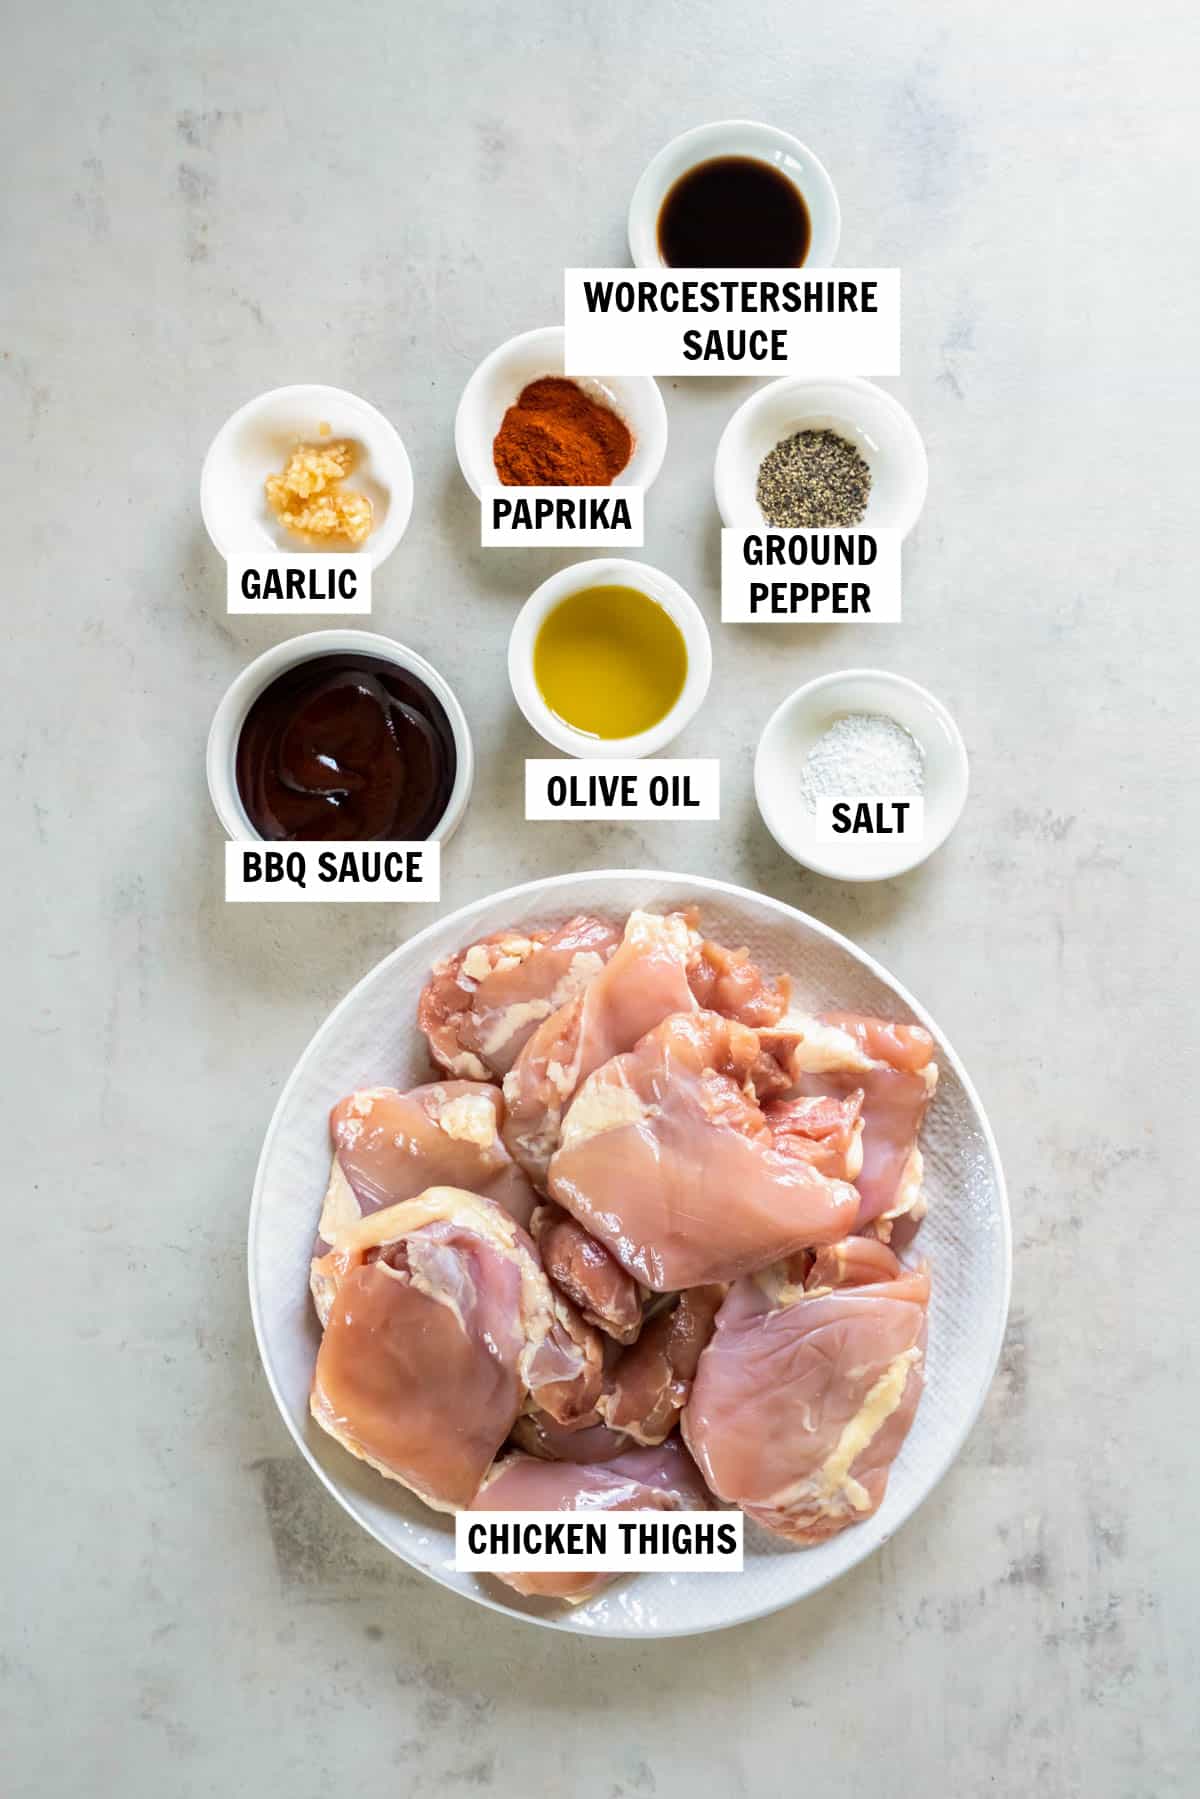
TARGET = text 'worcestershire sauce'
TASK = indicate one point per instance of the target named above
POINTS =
(734, 212)
(346, 747)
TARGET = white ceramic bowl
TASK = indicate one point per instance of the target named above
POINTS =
(875, 423)
(735, 137)
(609, 571)
(372, 1037)
(240, 695)
(501, 376)
(804, 717)
(257, 441)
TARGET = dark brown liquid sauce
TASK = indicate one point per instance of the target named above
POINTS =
(734, 212)
(346, 747)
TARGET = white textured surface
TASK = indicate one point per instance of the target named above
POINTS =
(371, 1040)
(205, 201)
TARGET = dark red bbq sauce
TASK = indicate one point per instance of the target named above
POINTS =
(734, 212)
(346, 747)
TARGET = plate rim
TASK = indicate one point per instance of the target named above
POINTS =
(662, 877)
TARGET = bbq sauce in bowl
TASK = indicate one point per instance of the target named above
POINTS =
(734, 212)
(346, 747)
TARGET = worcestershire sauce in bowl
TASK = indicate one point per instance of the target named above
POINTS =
(734, 212)
(346, 747)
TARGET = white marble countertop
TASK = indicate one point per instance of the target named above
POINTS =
(207, 201)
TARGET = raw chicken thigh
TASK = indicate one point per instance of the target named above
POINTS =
(645, 982)
(583, 1270)
(645, 1388)
(808, 1388)
(542, 1436)
(891, 1067)
(438, 1322)
(825, 1131)
(648, 1385)
(389, 1146)
(668, 1159)
(642, 1480)
(727, 981)
(482, 1005)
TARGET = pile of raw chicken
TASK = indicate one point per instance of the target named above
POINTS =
(636, 1249)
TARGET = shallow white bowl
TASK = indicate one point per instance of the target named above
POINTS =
(875, 423)
(371, 1037)
(609, 571)
(257, 441)
(500, 377)
(244, 689)
(795, 726)
(735, 137)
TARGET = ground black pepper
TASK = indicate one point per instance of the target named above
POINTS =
(813, 480)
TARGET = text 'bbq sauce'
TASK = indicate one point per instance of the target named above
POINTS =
(346, 747)
(734, 212)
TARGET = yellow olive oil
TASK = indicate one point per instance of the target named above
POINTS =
(609, 661)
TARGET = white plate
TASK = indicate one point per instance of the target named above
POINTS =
(371, 1037)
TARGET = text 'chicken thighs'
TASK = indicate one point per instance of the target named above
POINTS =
(439, 1321)
(642, 1480)
(668, 1159)
(807, 1389)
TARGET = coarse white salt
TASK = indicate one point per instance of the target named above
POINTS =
(863, 756)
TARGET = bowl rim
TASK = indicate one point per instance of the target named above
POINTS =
(231, 710)
(461, 918)
(616, 571)
(554, 337)
(379, 545)
(928, 844)
(642, 222)
(858, 385)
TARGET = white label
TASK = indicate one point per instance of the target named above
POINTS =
(600, 787)
(310, 581)
(576, 516)
(604, 1542)
(838, 819)
(815, 577)
(732, 322)
(333, 871)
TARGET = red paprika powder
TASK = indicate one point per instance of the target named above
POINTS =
(558, 436)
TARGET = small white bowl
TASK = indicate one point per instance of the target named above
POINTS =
(501, 376)
(804, 717)
(240, 695)
(875, 423)
(735, 137)
(609, 571)
(257, 441)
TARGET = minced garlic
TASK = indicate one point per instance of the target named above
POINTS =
(306, 499)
